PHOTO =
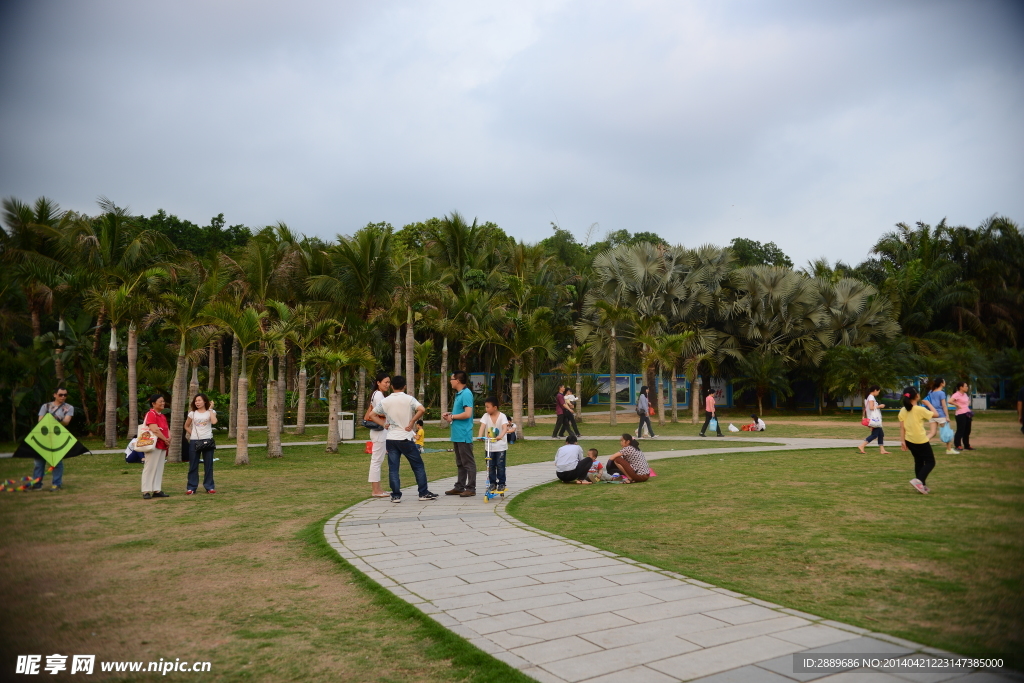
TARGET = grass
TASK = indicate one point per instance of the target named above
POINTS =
(832, 533)
(243, 579)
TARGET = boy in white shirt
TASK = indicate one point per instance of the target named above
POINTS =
(494, 428)
(399, 412)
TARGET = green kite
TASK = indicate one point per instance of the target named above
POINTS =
(51, 441)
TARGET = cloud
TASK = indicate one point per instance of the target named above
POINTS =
(814, 125)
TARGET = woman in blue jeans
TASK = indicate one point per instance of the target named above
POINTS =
(643, 406)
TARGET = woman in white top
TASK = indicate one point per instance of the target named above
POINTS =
(378, 437)
(199, 432)
(873, 412)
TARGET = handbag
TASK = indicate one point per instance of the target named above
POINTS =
(865, 422)
(146, 440)
(372, 426)
(201, 445)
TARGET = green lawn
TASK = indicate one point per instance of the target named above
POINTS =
(833, 533)
(242, 578)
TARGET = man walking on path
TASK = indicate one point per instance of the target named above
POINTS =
(401, 411)
(461, 422)
(62, 411)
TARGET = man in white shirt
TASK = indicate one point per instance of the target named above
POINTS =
(571, 465)
(399, 412)
(494, 427)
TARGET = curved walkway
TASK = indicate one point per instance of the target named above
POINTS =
(553, 607)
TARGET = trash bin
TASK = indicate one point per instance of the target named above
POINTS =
(346, 426)
(979, 402)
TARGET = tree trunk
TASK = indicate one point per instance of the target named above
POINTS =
(193, 383)
(398, 350)
(675, 396)
(760, 411)
(261, 390)
(332, 419)
(531, 420)
(178, 402)
(240, 405)
(661, 396)
(37, 328)
(360, 394)
(289, 375)
(444, 375)
(517, 399)
(282, 396)
(133, 380)
(273, 412)
(410, 358)
(578, 405)
(613, 408)
(213, 365)
(58, 355)
(110, 415)
(300, 412)
(236, 398)
(80, 375)
(695, 393)
(220, 367)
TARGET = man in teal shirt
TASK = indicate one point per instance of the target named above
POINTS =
(461, 422)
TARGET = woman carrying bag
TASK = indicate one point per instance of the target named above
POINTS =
(378, 435)
(643, 411)
(199, 428)
(153, 469)
(710, 413)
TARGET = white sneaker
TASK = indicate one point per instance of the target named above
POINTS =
(952, 451)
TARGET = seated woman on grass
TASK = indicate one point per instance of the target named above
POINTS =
(571, 465)
(629, 461)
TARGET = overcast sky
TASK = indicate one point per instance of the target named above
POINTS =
(818, 125)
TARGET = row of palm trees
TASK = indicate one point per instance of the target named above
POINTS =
(290, 307)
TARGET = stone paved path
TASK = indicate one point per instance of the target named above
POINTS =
(560, 610)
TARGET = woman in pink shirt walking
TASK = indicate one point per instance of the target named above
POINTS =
(709, 412)
(964, 417)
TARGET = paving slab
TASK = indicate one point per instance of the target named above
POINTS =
(562, 611)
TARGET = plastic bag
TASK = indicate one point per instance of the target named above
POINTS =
(369, 448)
(946, 433)
(713, 425)
(733, 428)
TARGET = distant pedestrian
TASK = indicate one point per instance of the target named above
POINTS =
(709, 412)
(913, 418)
(561, 423)
(570, 412)
(643, 411)
(571, 465)
(199, 431)
(400, 412)
(378, 437)
(873, 412)
(153, 469)
(460, 419)
(961, 400)
(62, 411)
(936, 398)
(1020, 409)
(494, 428)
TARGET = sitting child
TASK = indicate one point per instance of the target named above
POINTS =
(757, 425)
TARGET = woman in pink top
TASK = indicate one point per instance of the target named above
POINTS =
(964, 417)
(709, 411)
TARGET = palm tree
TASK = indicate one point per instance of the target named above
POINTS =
(602, 331)
(519, 335)
(424, 352)
(183, 312)
(246, 325)
(335, 358)
(764, 373)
